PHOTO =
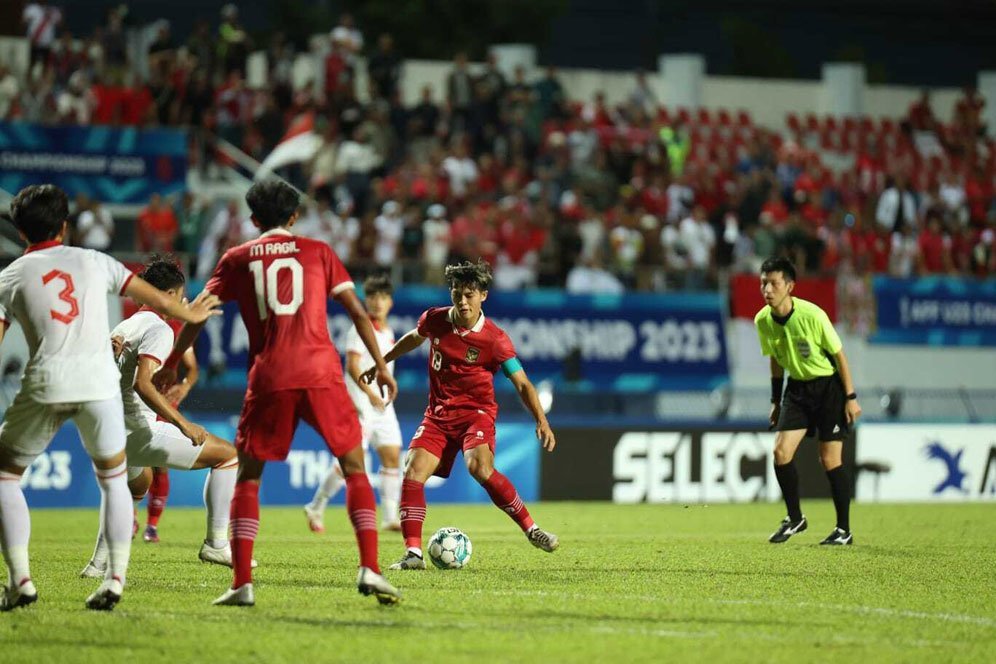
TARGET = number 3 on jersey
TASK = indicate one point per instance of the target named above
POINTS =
(66, 295)
(265, 282)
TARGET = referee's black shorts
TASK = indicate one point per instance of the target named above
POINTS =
(815, 405)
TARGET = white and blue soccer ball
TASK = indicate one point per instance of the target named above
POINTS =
(450, 548)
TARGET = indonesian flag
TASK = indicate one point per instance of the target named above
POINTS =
(300, 143)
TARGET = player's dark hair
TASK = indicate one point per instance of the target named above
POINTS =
(39, 211)
(378, 283)
(779, 264)
(272, 203)
(469, 275)
(163, 273)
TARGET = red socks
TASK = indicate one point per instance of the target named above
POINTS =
(412, 512)
(504, 495)
(158, 493)
(244, 526)
(362, 510)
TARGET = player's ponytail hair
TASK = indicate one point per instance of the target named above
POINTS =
(469, 275)
(163, 272)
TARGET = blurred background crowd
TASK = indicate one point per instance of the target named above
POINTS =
(552, 190)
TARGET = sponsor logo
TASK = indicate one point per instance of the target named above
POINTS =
(955, 477)
(657, 467)
(480, 434)
(473, 354)
(836, 428)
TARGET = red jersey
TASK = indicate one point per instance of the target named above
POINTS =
(462, 363)
(282, 283)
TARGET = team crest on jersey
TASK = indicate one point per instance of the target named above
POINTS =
(473, 354)
(803, 346)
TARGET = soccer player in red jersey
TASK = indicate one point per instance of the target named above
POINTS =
(467, 350)
(282, 284)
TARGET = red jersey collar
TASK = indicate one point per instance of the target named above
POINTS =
(462, 331)
(38, 246)
(151, 310)
(377, 326)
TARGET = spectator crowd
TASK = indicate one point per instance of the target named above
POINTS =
(550, 190)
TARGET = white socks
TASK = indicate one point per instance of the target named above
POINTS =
(331, 485)
(219, 487)
(390, 493)
(15, 528)
(116, 514)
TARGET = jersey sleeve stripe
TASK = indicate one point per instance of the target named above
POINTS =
(127, 281)
(151, 357)
(343, 286)
(346, 285)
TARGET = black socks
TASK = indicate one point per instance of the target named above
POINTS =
(841, 491)
(788, 480)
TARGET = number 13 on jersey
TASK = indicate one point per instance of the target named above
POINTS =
(266, 281)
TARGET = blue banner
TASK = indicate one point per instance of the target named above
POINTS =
(113, 165)
(62, 475)
(936, 311)
(626, 343)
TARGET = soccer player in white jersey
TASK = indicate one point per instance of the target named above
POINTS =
(58, 294)
(377, 418)
(158, 435)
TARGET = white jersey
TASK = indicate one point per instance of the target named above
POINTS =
(385, 341)
(59, 296)
(145, 334)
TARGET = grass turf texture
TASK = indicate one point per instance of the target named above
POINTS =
(630, 583)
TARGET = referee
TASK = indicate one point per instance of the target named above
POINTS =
(799, 338)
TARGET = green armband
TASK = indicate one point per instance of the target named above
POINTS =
(510, 366)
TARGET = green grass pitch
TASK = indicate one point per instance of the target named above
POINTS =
(649, 583)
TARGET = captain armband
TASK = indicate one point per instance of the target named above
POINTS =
(510, 366)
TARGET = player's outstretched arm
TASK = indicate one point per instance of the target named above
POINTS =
(527, 393)
(160, 405)
(165, 378)
(355, 374)
(365, 329)
(405, 344)
(203, 307)
(851, 407)
(777, 383)
(179, 391)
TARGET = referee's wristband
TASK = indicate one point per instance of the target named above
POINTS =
(852, 396)
(776, 390)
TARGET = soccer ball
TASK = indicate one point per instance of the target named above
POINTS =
(449, 548)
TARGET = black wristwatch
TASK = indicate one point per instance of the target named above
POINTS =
(852, 396)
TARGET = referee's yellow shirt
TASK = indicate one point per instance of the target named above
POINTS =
(799, 345)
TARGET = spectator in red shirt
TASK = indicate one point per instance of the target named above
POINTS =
(935, 247)
(774, 212)
(157, 226)
(921, 115)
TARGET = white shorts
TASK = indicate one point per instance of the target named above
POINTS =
(159, 444)
(380, 429)
(29, 426)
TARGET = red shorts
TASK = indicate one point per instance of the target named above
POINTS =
(443, 438)
(268, 421)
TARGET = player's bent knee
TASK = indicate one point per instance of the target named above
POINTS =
(479, 469)
(110, 462)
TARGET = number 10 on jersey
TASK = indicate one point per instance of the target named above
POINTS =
(265, 282)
